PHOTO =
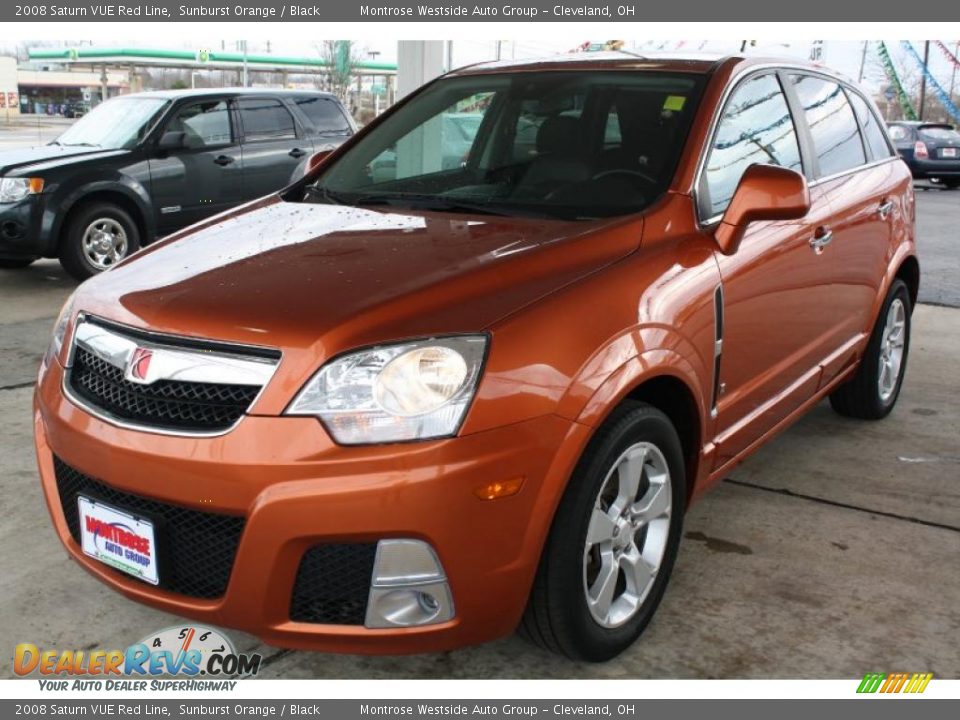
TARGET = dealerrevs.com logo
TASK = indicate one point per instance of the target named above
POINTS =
(186, 651)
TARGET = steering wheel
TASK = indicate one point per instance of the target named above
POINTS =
(624, 171)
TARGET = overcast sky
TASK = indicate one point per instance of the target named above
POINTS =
(844, 57)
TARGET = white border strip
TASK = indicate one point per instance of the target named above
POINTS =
(419, 690)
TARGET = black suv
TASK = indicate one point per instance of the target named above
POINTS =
(138, 167)
(931, 150)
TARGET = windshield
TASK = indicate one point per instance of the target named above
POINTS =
(940, 133)
(575, 145)
(118, 123)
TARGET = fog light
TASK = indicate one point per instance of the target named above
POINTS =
(409, 586)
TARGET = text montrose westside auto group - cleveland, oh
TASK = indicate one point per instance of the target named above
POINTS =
(296, 10)
(529, 11)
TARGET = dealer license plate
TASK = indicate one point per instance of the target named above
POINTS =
(118, 539)
(949, 152)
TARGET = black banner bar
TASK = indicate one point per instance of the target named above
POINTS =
(440, 11)
(228, 708)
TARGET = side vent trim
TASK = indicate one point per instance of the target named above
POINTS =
(717, 346)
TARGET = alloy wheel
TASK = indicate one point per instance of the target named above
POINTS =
(891, 349)
(105, 243)
(627, 535)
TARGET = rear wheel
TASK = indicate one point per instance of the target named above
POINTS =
(99, 236)
(614, 539)
(873, 391)
(15, 263)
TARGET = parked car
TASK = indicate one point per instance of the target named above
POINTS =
(931, 150)
(76, 109)
(414, 414)
(145, 165)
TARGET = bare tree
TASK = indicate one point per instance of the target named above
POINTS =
(340, 59)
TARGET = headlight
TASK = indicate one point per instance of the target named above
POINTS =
(392, 393)
(60, 330)
(13, 189)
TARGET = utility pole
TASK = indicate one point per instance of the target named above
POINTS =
(923, 78)
(863, 60)
(499, 48)
(953, 77)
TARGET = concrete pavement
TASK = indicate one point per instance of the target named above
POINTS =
(830, 553)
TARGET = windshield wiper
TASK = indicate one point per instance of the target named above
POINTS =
(433, 203)
(83, 144)
(437, 203)
(326, 195)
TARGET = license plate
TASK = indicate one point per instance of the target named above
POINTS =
(949, 152)
(118, 539)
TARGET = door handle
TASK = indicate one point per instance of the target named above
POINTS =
(297, 153)
(223, 160)
(885, 207)
(823, 237)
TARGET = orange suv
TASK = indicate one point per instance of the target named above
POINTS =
(416, 401)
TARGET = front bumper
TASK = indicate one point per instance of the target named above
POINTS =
(20, 228)
(296, 489)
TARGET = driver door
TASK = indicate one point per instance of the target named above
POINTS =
(204, 174)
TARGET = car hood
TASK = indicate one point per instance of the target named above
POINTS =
(323, 278)
(46, 156)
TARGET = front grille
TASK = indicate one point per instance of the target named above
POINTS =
(169, 404)
(196, 549)
(333, 584)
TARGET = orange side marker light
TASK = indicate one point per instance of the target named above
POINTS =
(499, 489)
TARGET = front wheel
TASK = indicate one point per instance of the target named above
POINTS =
(951, 182)
(99, 236)
(872, 392)
(613, 541)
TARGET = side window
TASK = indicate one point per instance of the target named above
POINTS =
(324, 114)
(755, 128)
(871, 128)
(836, 137)
(203, 124)
(265, 119)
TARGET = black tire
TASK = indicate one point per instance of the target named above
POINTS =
(15, 263)
(860, 397)
(557, 617)
(72, 256)
(951, 182)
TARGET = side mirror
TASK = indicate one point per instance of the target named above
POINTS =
(173, 140)
(316, 160)
(765, 192)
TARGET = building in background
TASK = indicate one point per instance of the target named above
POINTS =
(9, 94)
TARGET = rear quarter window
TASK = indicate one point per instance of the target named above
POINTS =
(325, 115)
(872, 132)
